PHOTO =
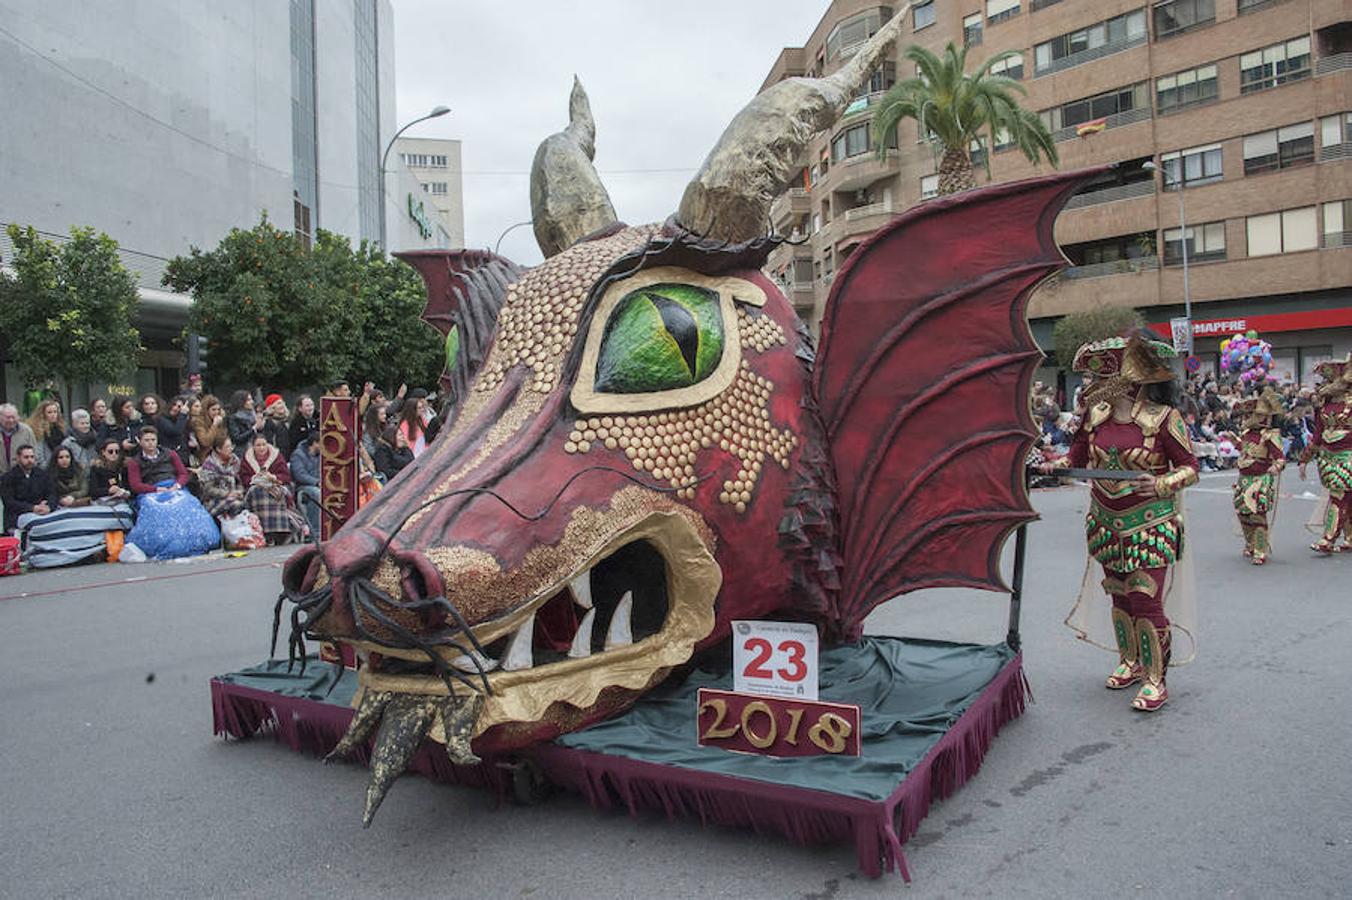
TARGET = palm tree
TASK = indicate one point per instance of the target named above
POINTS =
(955, 109)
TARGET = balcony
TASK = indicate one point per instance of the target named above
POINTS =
(862, 170)
(1084, 56)
(1112, 194)
(859, 106)
(1116, 120)
(1334, 62)
(791, 204)
(1116, 267)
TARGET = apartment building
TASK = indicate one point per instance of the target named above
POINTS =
(1244, 108)
(435, 163)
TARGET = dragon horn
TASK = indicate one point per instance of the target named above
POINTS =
(364, 722)
(752, 161)
(567, 199)
(405, 723)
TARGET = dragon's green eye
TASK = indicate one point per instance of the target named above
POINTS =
(452, 347)
(660, 338)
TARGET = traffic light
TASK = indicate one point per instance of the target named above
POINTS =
(197, 355)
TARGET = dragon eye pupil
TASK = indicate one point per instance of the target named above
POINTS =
(682, 327)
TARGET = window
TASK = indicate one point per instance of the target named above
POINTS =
(846, 37)
(1003, 139)
(1287, 231)
(1278, 64)
(1279, 149)
(439, 161)
(1176, 16)
(1334, 131)
(1097, 40)
(1206, 243)
(976, 151)
(437, 187)
(882, 78)
(302, 216)
(1112, 250)
(851, 142)
(971, 30)
(1010, 67)
(1184, 89)
(1251, 5)
(998, 11)
(1189, 168)
(1096, 107)
(1337, 216)
(802, 271)
(922, 14)
(929, 187)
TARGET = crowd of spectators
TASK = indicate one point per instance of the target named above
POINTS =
(1207, 406)
(245, 456)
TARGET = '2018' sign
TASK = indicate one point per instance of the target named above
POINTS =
(773, 726)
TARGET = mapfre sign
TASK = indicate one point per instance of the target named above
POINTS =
(339, 441)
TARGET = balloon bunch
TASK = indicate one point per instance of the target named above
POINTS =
(1247, 357)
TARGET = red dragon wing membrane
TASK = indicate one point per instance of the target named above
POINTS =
(922, 385)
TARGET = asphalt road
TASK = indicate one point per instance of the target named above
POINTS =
(113, 786)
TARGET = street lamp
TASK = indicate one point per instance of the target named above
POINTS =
(510, 228)
(436, 111)
(1182, 236)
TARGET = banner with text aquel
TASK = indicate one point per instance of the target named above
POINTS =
(775, 659)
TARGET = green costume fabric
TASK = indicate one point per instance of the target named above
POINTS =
(1255, 501)
(1335, 471)
(1148, 536)
(910, 692)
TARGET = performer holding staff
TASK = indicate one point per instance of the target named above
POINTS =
(1260, 468)
(1331, 448)
(1134, 524)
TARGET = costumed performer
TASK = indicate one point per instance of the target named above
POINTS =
(1261, 461)
(1134, 527)
(1331, 448)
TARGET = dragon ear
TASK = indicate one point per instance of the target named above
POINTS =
(567, 200)
(465, 292)
(729, 200)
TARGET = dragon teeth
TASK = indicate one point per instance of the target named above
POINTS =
(467, 663)
(582, 640)
(620, 634)
(581, 588)
(519, 655)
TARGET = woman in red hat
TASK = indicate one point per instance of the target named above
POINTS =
(276, 427)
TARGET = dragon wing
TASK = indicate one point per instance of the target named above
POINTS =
(922, 385)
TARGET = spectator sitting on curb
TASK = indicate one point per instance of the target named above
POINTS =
(81, 440)
(153, 466)
(222, 493)
(108, 474)
(13, 435)
(68, 479)
(49, 430)
(266, 478)
(305, 474)
(26, 488)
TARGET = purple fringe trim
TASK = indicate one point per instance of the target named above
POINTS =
(878, 829)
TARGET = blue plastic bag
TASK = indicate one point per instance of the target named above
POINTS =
(172, 524)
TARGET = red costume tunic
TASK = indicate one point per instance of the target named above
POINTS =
(1331, 448)
(1136, 535)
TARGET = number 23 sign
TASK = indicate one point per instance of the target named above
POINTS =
(776, 659)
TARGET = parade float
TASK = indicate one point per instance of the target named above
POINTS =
(649, 468)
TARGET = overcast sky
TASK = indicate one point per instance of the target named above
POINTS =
(664, 79)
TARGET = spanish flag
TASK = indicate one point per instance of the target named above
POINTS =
(1092, 127)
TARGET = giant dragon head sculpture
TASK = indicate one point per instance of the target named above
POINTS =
(645, 445)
